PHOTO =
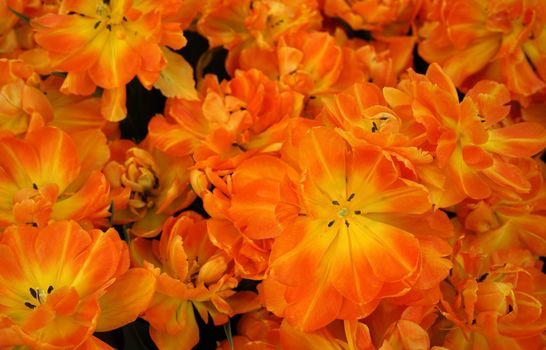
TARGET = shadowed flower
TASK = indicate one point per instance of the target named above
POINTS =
(250, 29)
(497, 303)
(499, 40)
(147, 185)
(191, 274)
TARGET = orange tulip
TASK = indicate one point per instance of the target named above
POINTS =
(250, 29)
(495, 40)
(341, 247)
(60, 283)
(50, 175)
(498, 305)
(191, 273)
(472, 140)
(385, 17)
(147, 186)
(234, 119)
(107, 44)
(255, 330)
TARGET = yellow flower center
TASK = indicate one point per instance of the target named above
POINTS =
(39, 295)
(344, 211)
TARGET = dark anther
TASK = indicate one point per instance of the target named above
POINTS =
(33, 293)
(383, 118)
(109, 27)
(331, 223)
(96, 25)
(49, 289)
(358, 212)
(124, 19)
(302, 214)
(35, 186)
(374, 127)
(351, 197)
(482, 277)
(474, 321)
(71, 13)
(347, 223)
(335, 202)
(29, 305)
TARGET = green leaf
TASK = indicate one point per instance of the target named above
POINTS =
(20, 15)
(229, 335)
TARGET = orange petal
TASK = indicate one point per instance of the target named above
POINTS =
(123, 301)
(392, 253)
(519, 140)
(113, 106)
(117, 64)
(322, 154)
(176, 79)
(59, 161)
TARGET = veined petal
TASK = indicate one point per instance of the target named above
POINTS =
(60, 33)
(352, 274)
(18, 159)
(392, 253)
(323, 155)
(315, 305)
(369, 173)
(117, 64)
(59, 161)
(299, 251)
(57, 246)
(104, 249)
(403, 196)
(518, 140)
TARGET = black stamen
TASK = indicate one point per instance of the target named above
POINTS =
(29, 305)
(482, 277)
(109, 27)
(96, 25)
(358, 212)
(33, 293)
(335, 202)
(331, 223)
(347, 223)
(49, 289)
(34, 186)
(351, 197)
(374, 127)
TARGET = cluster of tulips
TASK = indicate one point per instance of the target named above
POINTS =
(367, 177)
